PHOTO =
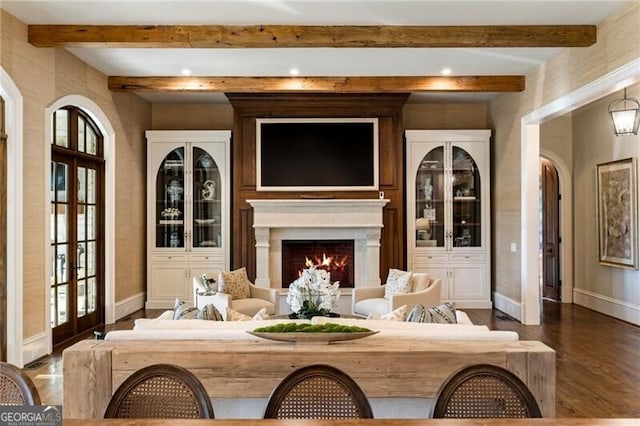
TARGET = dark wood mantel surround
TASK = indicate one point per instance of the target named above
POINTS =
(386, 107)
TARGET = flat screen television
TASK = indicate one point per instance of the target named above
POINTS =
(317, 154)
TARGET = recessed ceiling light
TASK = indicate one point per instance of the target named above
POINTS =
(294, 71)
(446, 71)
(186, 72)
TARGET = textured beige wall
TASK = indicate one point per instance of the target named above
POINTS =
(556, 137)
(456, 116)
(192, 117)
(618, 44)
(43, 76)
(595, 143)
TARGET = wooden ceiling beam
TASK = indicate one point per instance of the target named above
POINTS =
(273, 36)
(508, 83)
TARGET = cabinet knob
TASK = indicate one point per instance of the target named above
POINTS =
(170, 257)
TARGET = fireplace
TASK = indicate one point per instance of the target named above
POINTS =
(279, 220)
(334, 256)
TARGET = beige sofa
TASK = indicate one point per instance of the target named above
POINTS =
(163, 329)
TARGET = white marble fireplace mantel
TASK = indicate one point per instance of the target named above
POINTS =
(317, 219)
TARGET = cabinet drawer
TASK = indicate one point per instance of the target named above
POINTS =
(469, 257)
(426, 258)
(207, 258)
(169, 258)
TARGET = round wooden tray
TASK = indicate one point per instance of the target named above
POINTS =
(308, 337)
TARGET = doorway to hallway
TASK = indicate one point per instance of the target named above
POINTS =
(550, 231)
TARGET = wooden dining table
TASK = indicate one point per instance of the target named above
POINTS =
(354, 422)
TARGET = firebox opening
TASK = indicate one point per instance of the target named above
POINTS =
(335, 256)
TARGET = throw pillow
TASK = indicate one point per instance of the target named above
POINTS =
(210, 313)
(166, 315)
(233, 315)
(441, 314)
(182, 310)
(235, 284)
(397, 282)
(262, 314)
(396, 315)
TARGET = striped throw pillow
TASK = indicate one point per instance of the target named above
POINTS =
(182, 310)
(210, 313)
(441, 314)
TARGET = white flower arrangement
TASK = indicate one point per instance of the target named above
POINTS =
(171, 213)
(313, 293)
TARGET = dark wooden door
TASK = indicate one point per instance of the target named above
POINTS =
(550, 231)
(77, 217)
(3, 235)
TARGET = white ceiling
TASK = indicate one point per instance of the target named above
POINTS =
(318, 61)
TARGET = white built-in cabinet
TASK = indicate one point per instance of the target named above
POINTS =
(188, 214)
(448, 212)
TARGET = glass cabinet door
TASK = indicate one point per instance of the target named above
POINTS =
(207, 205)
(467, 219)
(170, 205)
(430, 200)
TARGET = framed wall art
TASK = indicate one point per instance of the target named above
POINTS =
(617, 213)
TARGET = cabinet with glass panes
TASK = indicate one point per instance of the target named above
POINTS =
(188, 207)
(448, 205)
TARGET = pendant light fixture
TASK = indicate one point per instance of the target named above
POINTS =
(625, 114)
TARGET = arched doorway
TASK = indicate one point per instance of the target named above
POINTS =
(92, 110)
(77, 225)
(550, 238)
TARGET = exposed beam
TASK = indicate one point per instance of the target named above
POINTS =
(508, 83)
(264, 36)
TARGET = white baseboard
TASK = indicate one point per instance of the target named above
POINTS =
(471, 304)
(129, 305)
(35, 347)
(507, 305)
(607, 305)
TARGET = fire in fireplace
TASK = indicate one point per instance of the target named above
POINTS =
(335, 256)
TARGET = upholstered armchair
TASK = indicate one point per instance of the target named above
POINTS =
(370, 300)
(259, 297)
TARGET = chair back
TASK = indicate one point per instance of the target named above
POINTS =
(161, 391)
(484, 390)
(16, 387)
(318, 392)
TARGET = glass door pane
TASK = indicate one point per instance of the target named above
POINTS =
(207, 206)
(59, 239)
(86, 237)
(170, 201)
(430, 197)
(465, 179)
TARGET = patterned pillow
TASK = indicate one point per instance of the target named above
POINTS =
(396, 315)
(235, 284)
(397, 282)
(181, 310)
(233, 315)
(442, 314)
(210, 313)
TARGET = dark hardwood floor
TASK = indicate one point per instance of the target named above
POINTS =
(598, 359)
